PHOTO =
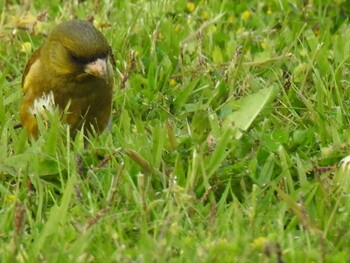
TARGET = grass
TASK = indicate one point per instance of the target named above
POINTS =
(229, 121)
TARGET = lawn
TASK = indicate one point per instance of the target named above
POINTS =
(230, 121)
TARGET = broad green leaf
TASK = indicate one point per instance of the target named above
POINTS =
(248, 108)
(217, 55)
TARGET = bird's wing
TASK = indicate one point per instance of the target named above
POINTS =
(35, 56)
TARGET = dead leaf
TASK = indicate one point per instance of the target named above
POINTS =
(26, 22)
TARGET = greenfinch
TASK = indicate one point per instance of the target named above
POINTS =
(72, 71)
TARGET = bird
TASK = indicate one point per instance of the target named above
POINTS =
(74, 72)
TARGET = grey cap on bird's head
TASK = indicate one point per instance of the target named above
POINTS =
(80, 37)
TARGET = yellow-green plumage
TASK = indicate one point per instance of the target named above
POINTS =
(75, 65)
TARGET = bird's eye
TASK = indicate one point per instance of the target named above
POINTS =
(73, 57)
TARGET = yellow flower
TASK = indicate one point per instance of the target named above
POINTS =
(205, 15)
(259, 242)
(231, 19)
(11, 198)
(26, 47)
(264, 44)
(172, 82)
(269, 11)
(190, 6)
(246, 15)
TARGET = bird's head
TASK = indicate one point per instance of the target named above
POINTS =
(78, 50)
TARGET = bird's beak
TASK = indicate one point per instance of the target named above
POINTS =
(98, 68)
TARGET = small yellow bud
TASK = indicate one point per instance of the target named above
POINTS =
(172, 83)
(259, 242)
(205, 15)
(269, 11)
(231, 19)
(190, 6)
(11, 198)
(246, 15)
(26, 47)
(264, 44)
